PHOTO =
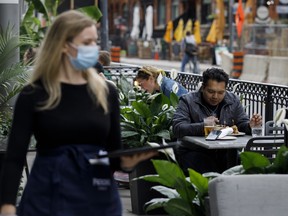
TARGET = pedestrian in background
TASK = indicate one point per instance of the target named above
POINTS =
(74, 116)
(189, 51)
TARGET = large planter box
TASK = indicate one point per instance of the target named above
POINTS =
(141, 190)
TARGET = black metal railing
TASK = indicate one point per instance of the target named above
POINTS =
(260, 98)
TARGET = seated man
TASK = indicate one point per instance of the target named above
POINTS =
(212, 99)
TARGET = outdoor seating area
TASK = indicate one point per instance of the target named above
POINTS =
(227, 194)
(143, 107)
(257, 97)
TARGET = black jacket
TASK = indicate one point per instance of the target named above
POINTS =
(188, 118)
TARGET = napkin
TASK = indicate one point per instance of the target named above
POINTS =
(226, 131)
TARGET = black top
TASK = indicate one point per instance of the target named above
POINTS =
(76, 120)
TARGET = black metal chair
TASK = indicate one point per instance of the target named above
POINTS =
(265, 145)
(272, 129)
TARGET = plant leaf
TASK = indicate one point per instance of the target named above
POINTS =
(168, 171)
(253, 160)
(200, 182)
(279, 116)
(166, 191)
(179, 207)
(92, 11)
(143, 109)
(155, 203)
(126, 133)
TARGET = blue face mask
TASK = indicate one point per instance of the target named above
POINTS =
(87, 56)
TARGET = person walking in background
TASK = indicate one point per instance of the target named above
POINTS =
(74, 116)
(153, 79)
(214, 101)
(189, 50)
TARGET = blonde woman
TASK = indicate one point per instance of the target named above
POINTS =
(74, 115)
(153, 79)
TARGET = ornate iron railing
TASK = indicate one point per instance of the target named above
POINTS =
(260, 98)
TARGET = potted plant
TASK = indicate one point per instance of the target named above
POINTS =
(147, 120)
(188, 196)
(13, 76)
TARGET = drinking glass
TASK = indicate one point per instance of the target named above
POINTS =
(257, 131)
(209, 124)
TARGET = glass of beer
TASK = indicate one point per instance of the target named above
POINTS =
(209, 125)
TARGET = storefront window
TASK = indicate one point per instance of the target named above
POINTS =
(175, 9)
(161, 12)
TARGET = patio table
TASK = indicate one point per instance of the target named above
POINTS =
(231, 145)
(239, 142)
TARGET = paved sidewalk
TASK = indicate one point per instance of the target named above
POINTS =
(126, 203)
(164, 64)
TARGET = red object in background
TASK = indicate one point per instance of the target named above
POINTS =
(239, 18)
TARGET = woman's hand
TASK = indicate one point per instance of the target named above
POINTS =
(8, 209)
(129, 162)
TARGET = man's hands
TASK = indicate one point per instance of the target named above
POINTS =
(211, 121)
(129, 162)
(256, 120)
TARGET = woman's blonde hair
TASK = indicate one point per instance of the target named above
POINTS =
(146, 71)
(50, 59)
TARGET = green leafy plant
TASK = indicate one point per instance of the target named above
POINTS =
(124, 86)
(31, 25)
(184, 196)
(13, 75)
(149, 119)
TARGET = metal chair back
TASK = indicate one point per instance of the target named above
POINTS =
(265, 145)
(272, 129)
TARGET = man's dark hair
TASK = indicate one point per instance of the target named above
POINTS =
(188, 33)
(217, 74)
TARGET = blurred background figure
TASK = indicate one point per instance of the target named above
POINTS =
(104, 58)
(189, 50)
(29, 55)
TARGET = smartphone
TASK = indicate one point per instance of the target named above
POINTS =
(213, 135)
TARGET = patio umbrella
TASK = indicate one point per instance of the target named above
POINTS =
(211, 37)
(188, 27)
(220, 20)
(168, 36)
(136, 21)
(149, 22)
(248, 12)
(178, 33)
(197, 33)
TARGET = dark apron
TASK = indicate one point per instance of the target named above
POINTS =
(64, 183)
